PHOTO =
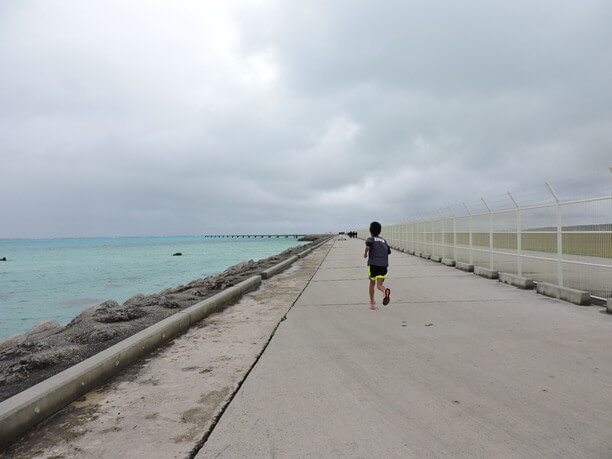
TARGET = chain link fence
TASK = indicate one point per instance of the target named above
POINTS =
(560, 234)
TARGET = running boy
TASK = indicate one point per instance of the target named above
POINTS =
(378, 261)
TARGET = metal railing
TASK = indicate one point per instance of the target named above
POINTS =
(557, 237)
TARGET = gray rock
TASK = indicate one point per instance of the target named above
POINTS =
(197, 283)
(110, 312)
(85, 315)
(135, 300)
(240, 267)
(46, 328)
(93, 336)
(38, 331)
(44, 359)
(157, 301)
(12, 341)
(168, 303)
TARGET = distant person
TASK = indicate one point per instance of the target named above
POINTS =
(377, 252)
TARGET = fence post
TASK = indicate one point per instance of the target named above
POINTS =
(470, 231)
(408, 233)
(454, 233)
(397, 235)
(400, 235)
(426, 237)
(433, 237)
(440, 222)
(519, 254)
(490, 233)
(422, 234)
(441, 230)
(559, 236)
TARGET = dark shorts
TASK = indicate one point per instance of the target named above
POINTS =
(377, 272)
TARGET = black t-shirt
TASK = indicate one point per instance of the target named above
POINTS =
(379, 251)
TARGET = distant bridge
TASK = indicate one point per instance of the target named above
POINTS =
(293, 236)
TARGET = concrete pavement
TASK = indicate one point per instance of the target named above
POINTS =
(456, 366)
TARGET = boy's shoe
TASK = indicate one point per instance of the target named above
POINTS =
(372, 304)
(387, 297)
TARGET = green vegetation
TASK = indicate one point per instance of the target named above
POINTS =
(582, 244)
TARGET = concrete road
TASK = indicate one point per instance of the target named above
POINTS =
(455, 366)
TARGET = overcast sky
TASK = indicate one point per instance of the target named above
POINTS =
(126, 117)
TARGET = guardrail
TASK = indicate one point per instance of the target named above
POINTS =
(566, 241)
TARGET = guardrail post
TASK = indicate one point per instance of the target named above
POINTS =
(519, 254)
(470, 231)
(559, 236)
(490, 233)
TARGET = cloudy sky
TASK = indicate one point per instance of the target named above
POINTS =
(253, 116)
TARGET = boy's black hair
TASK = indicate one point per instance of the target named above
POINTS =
(375, 228)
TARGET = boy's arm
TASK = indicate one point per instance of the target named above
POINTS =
(368, 243)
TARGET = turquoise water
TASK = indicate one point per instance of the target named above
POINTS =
(57, 278)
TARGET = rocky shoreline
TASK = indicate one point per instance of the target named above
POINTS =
(49, 348)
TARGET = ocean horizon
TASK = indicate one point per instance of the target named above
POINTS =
(56, 278)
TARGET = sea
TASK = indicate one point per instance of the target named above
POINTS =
(58, 278)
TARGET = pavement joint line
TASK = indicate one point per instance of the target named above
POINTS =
(200, 444)
(390, 278)
(365, 266)
(411, 302)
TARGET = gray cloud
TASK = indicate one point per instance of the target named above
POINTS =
(132, 118)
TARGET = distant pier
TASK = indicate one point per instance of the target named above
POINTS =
(247, 236)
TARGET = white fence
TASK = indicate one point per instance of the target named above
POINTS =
(560, 240)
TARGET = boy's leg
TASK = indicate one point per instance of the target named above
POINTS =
(372, 282)
(386, 291)
(379, 284)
